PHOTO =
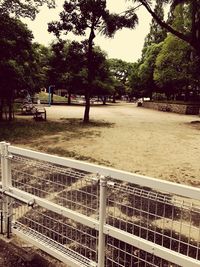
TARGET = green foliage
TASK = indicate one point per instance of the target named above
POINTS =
(41, 60)
(22, 8)
(157, 34)
(176, 66)
(79, 15)
(135, 82)
(192, 36)
(121, 72)
(172, 70)
(17, 67)
(15, 55)
(171, 66)
(146, 69)
(69, 68)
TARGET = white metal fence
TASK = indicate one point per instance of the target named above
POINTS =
(88, 215)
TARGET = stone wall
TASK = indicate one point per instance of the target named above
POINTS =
(176, 108)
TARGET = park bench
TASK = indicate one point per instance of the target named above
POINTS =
(27, 109)
(40, 114)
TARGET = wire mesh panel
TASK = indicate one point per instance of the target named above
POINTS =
(66, 232)
(71, 188)
(75, 208)
(120, 254)
(1, 213)
(170, 221)
(0, 168)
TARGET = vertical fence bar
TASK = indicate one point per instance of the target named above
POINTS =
(6, 183)
(3, 180)
(7, 166)
(2, 145)
(2, 151)
(102, 218)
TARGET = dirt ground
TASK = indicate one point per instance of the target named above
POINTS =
(15, 253)
(124, 136)
(149, 142)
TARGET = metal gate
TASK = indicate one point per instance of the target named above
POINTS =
(88, 215)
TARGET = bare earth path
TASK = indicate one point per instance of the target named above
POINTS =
(158, 144)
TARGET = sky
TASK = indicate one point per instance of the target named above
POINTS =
(126, 45)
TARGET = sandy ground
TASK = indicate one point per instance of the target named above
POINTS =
(153, 143)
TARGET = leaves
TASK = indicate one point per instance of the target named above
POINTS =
(172, 64)
(20, 8)
(16, 56)
(80, 15)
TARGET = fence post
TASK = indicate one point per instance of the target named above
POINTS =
(6, 215)
(102, 219)
(2, 175)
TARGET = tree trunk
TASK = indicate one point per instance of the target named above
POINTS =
(196, 25)
(104, 100)
(114, 98)
(10, 110)
(89, 78)
(87, 107)
(52, 90)
(69, 97)
(1, 109)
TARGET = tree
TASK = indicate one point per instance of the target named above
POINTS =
(146, 69)
(41, 60)
(172, 66)
(22, 8)
(157, 34)
(69, 68)
(16, 61)
(176, 71)
(193, 36)
(78, 17)
(135, 82)
(120, 71)
(103, 84)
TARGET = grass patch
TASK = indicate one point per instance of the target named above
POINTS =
(75, 122)
(52, 136)
(24, 130)
(27, 131)
(42, 96)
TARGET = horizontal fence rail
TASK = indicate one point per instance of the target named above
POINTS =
(89, 215)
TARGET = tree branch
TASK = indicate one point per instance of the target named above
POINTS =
(167, 26)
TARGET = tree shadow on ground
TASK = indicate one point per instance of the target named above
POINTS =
(25, 131)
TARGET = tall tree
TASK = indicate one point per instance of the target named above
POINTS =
(16, 61)
(146, 69)
(157, 34)
(121, 71)
(41, 59)
(78, 17)
(69, 68)
(135, 82)
(193, 36)
(172, 66)
(176, 71)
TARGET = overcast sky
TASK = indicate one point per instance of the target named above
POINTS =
(126, 44)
